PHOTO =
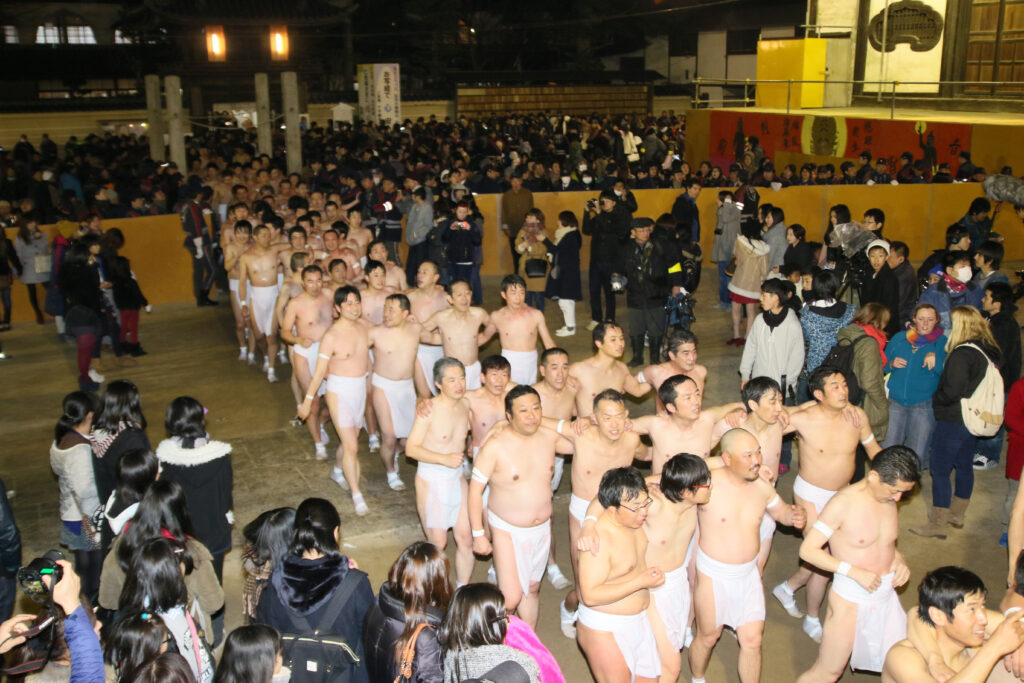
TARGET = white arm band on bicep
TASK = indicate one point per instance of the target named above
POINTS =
(868, 440)
(561, 423)
(589, 517)
(479, 476)
(323, 355)
(844, 568)
(640, 377)
(774, 501)
(825, 529)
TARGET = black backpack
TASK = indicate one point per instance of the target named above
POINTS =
(316, 656)
(840, 357)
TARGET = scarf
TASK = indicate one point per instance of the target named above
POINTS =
(561, 232)
(773, 320)
(878, 336)
(917, 340)
(954, 284)
(101, 439)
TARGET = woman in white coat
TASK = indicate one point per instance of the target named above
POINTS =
(775, 343)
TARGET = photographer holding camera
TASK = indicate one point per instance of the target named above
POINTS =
(608, 223)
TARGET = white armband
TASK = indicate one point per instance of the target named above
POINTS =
(323, 355)
(844, 568)
(589, 517)
(477, 533)
(561, 423)
(868, 440)
(825, 529)
(774, 501)
(640, 377)
(479, 476)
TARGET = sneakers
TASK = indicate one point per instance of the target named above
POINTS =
(338, 477)
(492, 576)
(282, 356)
(557, 578)
(321, 453)
(983, 462)
(96, 377)
(591, 325)
(565, 331)
(324, 439)
(784, 595)
(568, 621)
(243, 353)
(271, 376)
(266, 363)
(812, 627)
(362, 509)
(374, 443)
(251, 357)
(394, 482)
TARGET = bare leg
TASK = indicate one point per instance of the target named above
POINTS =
(762, 554)
(504, 557)
(737, 318)
(371, 414)
(236, 310)
(572, 599)
(671, 660)
(347, 455)
(751, 314)
(388, 441)
(707, 632)
(302, 376)
(836, 642)
(603, 655)
(464, 559)
(420, 380)
(817, 585)
(749, 664)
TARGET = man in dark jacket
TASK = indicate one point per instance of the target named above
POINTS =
(200, 237)
(608, 227)
(881, 286)
(647, 289)
(685, 209)
(461, 236)
(10, 555)
(999, 308)
(899, 255)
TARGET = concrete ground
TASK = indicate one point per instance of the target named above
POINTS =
(193, 351)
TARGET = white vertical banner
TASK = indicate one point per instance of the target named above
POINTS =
(386, 93)
(367, 104)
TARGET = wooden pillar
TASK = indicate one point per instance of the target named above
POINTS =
(154, 117)
(263, 134)
(175, 122)
(292, 134)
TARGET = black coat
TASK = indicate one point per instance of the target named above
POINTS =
(206, 477)
(884, 288)
(385, 623)
(609, 232)
(567, 257)
(80, 285)
(10, 537)
(961, 374)
(1007, 333)
(105, 469)
(303, 588)
(647, 265)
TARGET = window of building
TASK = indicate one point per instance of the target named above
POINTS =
(80, 35)
(10, 34)
(53, 34)
(48, 34)
(121, 38)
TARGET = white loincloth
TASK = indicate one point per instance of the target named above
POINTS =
(815, 495)
(280, 280)
(473, 376)
(530, 546)
(524, 365)
(634, 636)
(427, 355)
(350, 393)
(672, 600)
(401, 397)
(767, 529)
(261, 306)
(233, 288)
(739, 595)
(310, 354)
(444, 494)
(881, 621)
(578, 507)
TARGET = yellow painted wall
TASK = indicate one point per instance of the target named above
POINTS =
(915, 214)
(802, 59)
(996, 146)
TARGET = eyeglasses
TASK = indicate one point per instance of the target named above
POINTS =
(635, 510)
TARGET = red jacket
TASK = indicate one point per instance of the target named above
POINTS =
(1014, 420)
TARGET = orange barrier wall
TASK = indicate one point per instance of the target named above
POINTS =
(915, 214)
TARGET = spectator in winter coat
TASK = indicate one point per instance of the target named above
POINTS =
(881, 286)
(799, 252)
(999, 308)
(954, 287)
(10, 555)
(823, 316)
(775, 343)
(906, 280)
(1013, 416)
(751, 254)
(462, 235)
(914, 362)
(727, 229)
(564, 277)
(685, 208)
(987, 259)
(775, 232)
(868, 361)
(608, 228)
(953, 446)
(647, 289)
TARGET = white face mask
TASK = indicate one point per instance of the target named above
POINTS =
(964, 274)
(565, 180)
(587, 180)
(618, 193)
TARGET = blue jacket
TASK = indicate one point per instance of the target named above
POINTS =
(84, 646)
(944, 301)
(913, 384)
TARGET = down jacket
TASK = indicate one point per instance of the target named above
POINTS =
(384, 624)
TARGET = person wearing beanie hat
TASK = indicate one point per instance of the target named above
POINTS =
(880, 285)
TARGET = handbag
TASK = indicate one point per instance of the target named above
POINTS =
(536, 267)
(730, 268)
(408, 655)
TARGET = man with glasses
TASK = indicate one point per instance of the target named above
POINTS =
(728, 590)
(615, 582)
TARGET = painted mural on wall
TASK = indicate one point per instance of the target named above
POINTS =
(831, 136)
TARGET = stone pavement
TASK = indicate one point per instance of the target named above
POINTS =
(192, 351)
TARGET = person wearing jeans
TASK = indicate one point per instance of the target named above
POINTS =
(914, 362)
(953, 446)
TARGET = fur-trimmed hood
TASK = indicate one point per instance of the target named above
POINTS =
(305, 586)
(171, 452)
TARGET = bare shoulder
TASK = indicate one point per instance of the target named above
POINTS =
(905, 663)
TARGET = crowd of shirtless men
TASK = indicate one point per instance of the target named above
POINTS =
(662, 562)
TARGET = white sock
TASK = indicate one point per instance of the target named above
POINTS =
(337, 471)
(697, 680)
(786, 588)
(813, 620)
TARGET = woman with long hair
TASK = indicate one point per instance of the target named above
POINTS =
(473, 635)
(118, 427)
(837, 215)
(409, 609)
(564, 284)
(751, 254)
(33, 251)
(133, 640)
(252, 654)
(533, 257)
(135, 473)
(971, 347)
(203, 468)
(162, 513)
(267, 539)
(156, 584)
(71, 461)
(307, 579)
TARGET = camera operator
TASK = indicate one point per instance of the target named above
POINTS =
(462, 236)
(647, 289)
(607, 222)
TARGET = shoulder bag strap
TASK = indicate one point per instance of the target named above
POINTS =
(409, 655)
(338, 600)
